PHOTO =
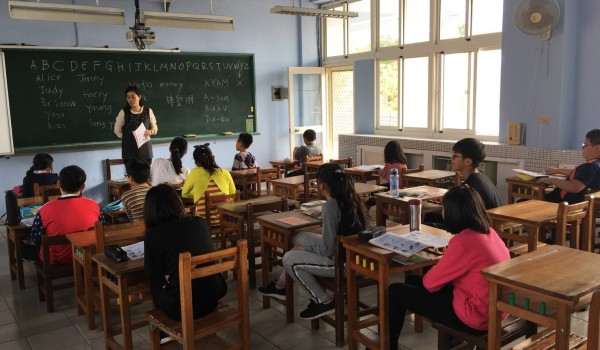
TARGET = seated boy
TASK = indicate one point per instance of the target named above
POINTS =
(244, 159)
(309, 149)
(70, 213)
(587, 175)
(138, 175)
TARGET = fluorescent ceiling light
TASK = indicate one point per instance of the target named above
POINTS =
(65, 12)
(188, 21)
(303, 11)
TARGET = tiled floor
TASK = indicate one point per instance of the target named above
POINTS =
(25, 324)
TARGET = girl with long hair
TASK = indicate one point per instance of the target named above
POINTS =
(40, 172)
(171, 170)
(342, 214)
(394, 158)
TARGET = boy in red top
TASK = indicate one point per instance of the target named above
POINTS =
(67, 214)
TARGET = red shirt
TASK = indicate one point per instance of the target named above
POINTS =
(468, 252)
(67, 215)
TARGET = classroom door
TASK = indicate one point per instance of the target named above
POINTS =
(307, 101)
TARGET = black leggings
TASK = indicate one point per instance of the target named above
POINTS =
(412, 296)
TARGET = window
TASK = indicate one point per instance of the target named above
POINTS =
(437, 63)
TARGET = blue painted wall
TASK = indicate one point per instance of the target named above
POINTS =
(277, 41)
(364, 102)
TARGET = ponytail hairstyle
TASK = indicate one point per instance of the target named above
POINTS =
(203, 157)
(178, 149)
(393, 153)
(41, 161)
(341, 187)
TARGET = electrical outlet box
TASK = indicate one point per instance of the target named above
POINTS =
(543, 120)
(514, 134)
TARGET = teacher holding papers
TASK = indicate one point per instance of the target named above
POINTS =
(134, 125)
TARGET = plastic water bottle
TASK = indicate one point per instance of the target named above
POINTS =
(394, 180)
(415, 214)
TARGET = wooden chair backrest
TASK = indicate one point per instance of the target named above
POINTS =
(266, 175)
(47, 242)
(576, 219)
(110, 162)
(252, 209)
(119, 234)
(344, 162)
(312, 159)
(49, 194)
(193, 267)
(211, 202)
(404, 183)
(38, 190)
(310, 177)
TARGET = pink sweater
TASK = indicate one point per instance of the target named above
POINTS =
(468, 252)
(385, 172)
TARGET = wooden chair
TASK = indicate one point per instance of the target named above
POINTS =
(248, 231)
(187, 331)
(546, 339)
(47, 272)
(265, 176)
(51, 193)
(114, 190)
(38, 190)
(310, 178)
(405, 183)
(213, 218)
(338, 286)
(108, 163)
(512, 328)
(345, 163)
(313, 159)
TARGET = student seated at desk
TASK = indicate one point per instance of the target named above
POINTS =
(171, 170)
(206, 178)
(170, 232)
(453, 292)
(40, 172)
(138, 174)
(244, 159)
(312, 255)
(309, 149)
(577, 181)
(394, 158)
(67, 214)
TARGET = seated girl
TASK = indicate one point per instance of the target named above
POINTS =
(170, 170)
(312, 255)
(453, 292)
(394, 158)
(170, 232)
(40, 173)
(208, 177)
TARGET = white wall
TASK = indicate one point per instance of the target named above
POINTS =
(277, 41)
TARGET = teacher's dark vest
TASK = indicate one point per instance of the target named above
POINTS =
(132, 122)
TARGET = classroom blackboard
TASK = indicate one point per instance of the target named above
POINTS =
(60, 98)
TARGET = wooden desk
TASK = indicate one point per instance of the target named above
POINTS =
(245, 177)
(15, 234)
(433, 178)
(284, 167)
(84, 246)
(561, 278)
(365, 173)
(532, 214)
(116, 189)
(278, 235)
(518, 188)
(364, 188)
(376, 263)
(398, 206)
(289, 187)
(118, 278)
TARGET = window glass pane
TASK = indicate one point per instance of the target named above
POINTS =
(487, 16)
(416, 21)
(342, 106)
(415, 92)
(335, 35)
(455, 91)
(487, 107)
(388, 93)
(389, 12)
(360, 27)
(452, 19)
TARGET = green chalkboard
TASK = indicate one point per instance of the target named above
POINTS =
(64, 97)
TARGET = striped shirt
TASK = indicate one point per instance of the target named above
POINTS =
(212, 190)
(133, 200)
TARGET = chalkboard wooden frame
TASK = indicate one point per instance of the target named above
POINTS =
(64, 99)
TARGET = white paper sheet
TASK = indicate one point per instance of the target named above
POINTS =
(138, 135)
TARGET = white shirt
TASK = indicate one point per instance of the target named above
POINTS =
(162, 171)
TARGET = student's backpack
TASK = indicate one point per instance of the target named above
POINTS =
(13, 215)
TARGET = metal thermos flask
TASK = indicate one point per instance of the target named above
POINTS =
(415, 214)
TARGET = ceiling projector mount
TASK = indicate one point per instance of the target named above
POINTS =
(139, 34)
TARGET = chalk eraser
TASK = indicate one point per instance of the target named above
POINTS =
(227, 133)
(189, 135)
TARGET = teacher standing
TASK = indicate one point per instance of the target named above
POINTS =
(128, 120)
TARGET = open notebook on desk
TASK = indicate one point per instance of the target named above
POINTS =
(410, 243)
